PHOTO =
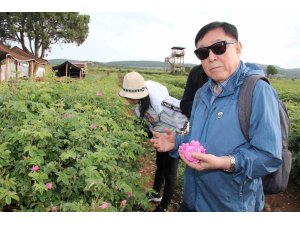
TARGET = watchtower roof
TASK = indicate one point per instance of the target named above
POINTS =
(178, 48)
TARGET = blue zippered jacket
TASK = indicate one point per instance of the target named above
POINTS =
(216, 127)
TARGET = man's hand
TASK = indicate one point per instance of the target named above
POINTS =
(208, 161)
(163, 142)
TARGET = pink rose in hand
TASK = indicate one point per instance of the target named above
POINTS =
(187, 149)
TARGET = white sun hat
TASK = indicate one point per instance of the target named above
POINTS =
(133, 86)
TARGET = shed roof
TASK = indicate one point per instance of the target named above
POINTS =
(4, 50)
(18, 54)
(25, 54)
(73, 70)
(64, 64)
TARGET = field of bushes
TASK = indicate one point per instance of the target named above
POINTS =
(75, 146)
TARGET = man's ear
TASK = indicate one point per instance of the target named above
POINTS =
(239, 47)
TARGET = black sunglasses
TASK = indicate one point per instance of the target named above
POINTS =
(217, 48)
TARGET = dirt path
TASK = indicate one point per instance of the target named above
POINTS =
(289, 201)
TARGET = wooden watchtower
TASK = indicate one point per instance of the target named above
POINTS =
(175, 62)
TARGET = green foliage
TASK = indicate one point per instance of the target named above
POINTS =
(42, 29)
(289, 92)
(87, 147)
(294, 145)
(271, 70)
(174, 83)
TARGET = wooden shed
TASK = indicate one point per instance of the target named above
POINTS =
(71, 69)
(13, 58)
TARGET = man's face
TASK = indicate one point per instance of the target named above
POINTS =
(220, 67)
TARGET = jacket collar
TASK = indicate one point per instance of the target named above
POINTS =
(234, 81)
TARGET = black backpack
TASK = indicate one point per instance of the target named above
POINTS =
(277, 181)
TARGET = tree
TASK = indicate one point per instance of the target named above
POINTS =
(271, 70)
(36, 32)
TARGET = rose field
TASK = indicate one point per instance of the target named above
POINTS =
(75, 145)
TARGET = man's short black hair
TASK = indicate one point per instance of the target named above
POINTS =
(228, 28)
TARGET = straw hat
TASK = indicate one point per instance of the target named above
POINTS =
(133, 86)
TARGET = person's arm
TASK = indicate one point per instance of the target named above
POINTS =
(163, 142)
(179, 139)
(264, 154)
(195, 80)
(188, 96)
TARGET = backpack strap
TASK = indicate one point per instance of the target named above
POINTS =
(245, 102)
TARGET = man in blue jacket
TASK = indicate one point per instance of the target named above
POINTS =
(228, 176)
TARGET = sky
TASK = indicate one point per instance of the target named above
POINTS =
(267, 38)
(147, 30)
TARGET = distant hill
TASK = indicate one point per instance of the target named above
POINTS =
(60, 61)
(137, 64)
(291, 73)
(142, 64)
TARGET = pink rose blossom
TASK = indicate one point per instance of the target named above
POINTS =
(67, 116)
(123, 203)
(187, 149)
(99, 93)
(93, 126)
(129, 194)
(54, 208)
(49, 186)
(104, 205)
(35, 168)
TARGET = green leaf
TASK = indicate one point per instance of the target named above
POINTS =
(68, 154)
(15, 196)
(8, 200)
